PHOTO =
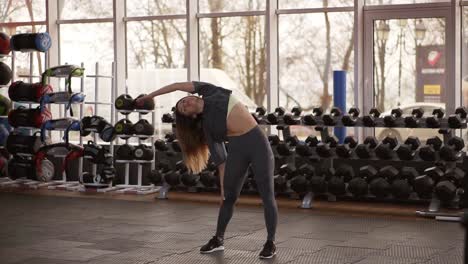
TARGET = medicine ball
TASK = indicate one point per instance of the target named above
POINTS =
(123, 127)
(5, 74)
(124, 103)
(144, 105)
(143, 128)
(4, 44)
(143, 152)
(125, 152)
(5, 105)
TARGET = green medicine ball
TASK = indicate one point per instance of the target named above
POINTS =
(5, 105)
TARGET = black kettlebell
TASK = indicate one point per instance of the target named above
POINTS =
(123, 127)
(143, 128)
(144, 105)
(125, 104)
(125, 152)
(143, 152)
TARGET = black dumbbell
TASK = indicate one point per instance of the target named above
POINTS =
(331, 118)
(274, 140)
(385, 149)
(434, 120)
(208, 176)
(344, 150)
(414, 118)
(337, 182)
(160, 145)
(424, 184)
(307, 170)
(311, 119)
(170, 137)
(304, 149)
(299, 184)
(402, 185)
(428, 152)
(351, 118)
(318, 183)
(407, 150)
(274, 118)
(174, 177)
(379, 185)
(280, 183)
(363, 150)
(284, 149)
(189, 179)
(459, 118)
(359, 186)
(446, 189)
(390, 120)
(259, 114)
(292, 140)
(288, 170)
(369, 120)
(157, 175)
(293, 118)
(324, 148)
(452, 150)
(168, 118)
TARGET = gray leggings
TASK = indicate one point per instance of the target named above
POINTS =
(251, 148)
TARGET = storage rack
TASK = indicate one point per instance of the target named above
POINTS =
(138, 188)
(5, 181)
(23, 181)
(65, 184)
(98, 187)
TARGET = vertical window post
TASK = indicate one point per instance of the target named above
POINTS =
(271, 34)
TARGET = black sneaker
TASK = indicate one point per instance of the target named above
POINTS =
(268, 251)
(215, 244)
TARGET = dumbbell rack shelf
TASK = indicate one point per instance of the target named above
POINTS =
(98, 187)
(135, 161)
(139, 188)
(143, 112)
(379, 122)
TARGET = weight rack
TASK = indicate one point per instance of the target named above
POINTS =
(138, 188)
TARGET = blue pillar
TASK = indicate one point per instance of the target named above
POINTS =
(339, 99)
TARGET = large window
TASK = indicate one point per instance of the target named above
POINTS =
(409, 66)
(206, 6)
(398, 2)
(85, 9)
(22, 11)
(232, 55)
(156, 52)
(297, 4)
(311, 47)
(315, 37)
(155, 7)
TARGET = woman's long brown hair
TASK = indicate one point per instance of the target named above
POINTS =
(189, 133)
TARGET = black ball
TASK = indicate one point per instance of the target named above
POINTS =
(5, 74)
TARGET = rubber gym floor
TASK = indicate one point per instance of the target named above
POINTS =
(53, 227)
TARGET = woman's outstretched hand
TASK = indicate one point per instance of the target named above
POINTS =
(140, 101)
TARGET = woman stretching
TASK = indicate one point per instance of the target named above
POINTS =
(202, 126)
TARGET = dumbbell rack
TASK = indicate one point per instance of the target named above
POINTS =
(316, 120)
(138, 188)
(98, 187)
(23, 181)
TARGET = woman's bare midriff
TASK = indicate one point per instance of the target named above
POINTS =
(239, 121)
